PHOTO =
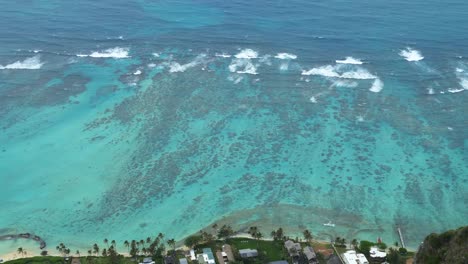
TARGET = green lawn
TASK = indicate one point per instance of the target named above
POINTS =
(39, 260)
(268, 250)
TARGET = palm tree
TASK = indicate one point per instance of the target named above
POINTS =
(354, 243)
(89, 252)
(127, 245)
(78, 253)
(106, 242)
(253, 230)
(307, 236)
(258, 236)
(96, 249)
(148, 240)
(161, 236)
(171, 243)
(142, 242)
(20, 251)
(113, 243)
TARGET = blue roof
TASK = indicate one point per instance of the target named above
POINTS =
(208, 252)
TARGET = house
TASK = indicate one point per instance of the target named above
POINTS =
(206, 257)
(293, 248)
(169, 260)
(377, 256)
(248, 253)
(183, 261)
(351, 257)
(147, 261)
(310, 255)
(192, 255)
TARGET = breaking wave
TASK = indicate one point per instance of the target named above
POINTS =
(350, 60)
(411, 54)
(117, 53)
(177, 67)
(247, 54)
(377, 86)
(286, 56)
(223, 55)
(33, 63)
(337, 72)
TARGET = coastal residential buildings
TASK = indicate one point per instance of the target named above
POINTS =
(351, 257)
(377, 256)
(293, 250)
(248, 253)
(310, 255)
(206, 257)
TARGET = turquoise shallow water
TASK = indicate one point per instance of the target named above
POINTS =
(124, 120)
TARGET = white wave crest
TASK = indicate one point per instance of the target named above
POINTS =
(223, 55)
(411, 54)
(464, 83)
(176, 67)
(243, 66)
(116, 53)
(137, 72)
(247, 54)
(336, 72)
(350, 60)
(377, 86)
(313, 99)
(286, 56)
(452, 90)
(430, 91)
(33, 63)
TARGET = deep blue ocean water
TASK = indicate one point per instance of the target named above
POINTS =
(122, 119)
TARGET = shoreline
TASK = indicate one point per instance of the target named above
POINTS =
(31, 252)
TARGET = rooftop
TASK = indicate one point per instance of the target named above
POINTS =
(351, 257)
(375, 253)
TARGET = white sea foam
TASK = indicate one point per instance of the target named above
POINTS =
(137, 72)
(350, 60)
(377, 86)
(336, 72)
(313, 99)
(286, 56)
(345, 83)
(155, 54)
(235, 79)
(223, 55)
(430, 91)
(243, 66)
(117, 53)
(360, 118)
(33, 63)
(453, 90)
(411, 54)
(176, 67)
(459, 70)
(247, 54)
(152, 65)
(464, 83)
(326, 71)
(284, 66)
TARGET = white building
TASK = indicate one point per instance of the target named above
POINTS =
(376, 255)
(351, 257)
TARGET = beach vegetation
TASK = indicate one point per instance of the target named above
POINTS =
(307, 235)
(193, 240)
(225, 231)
